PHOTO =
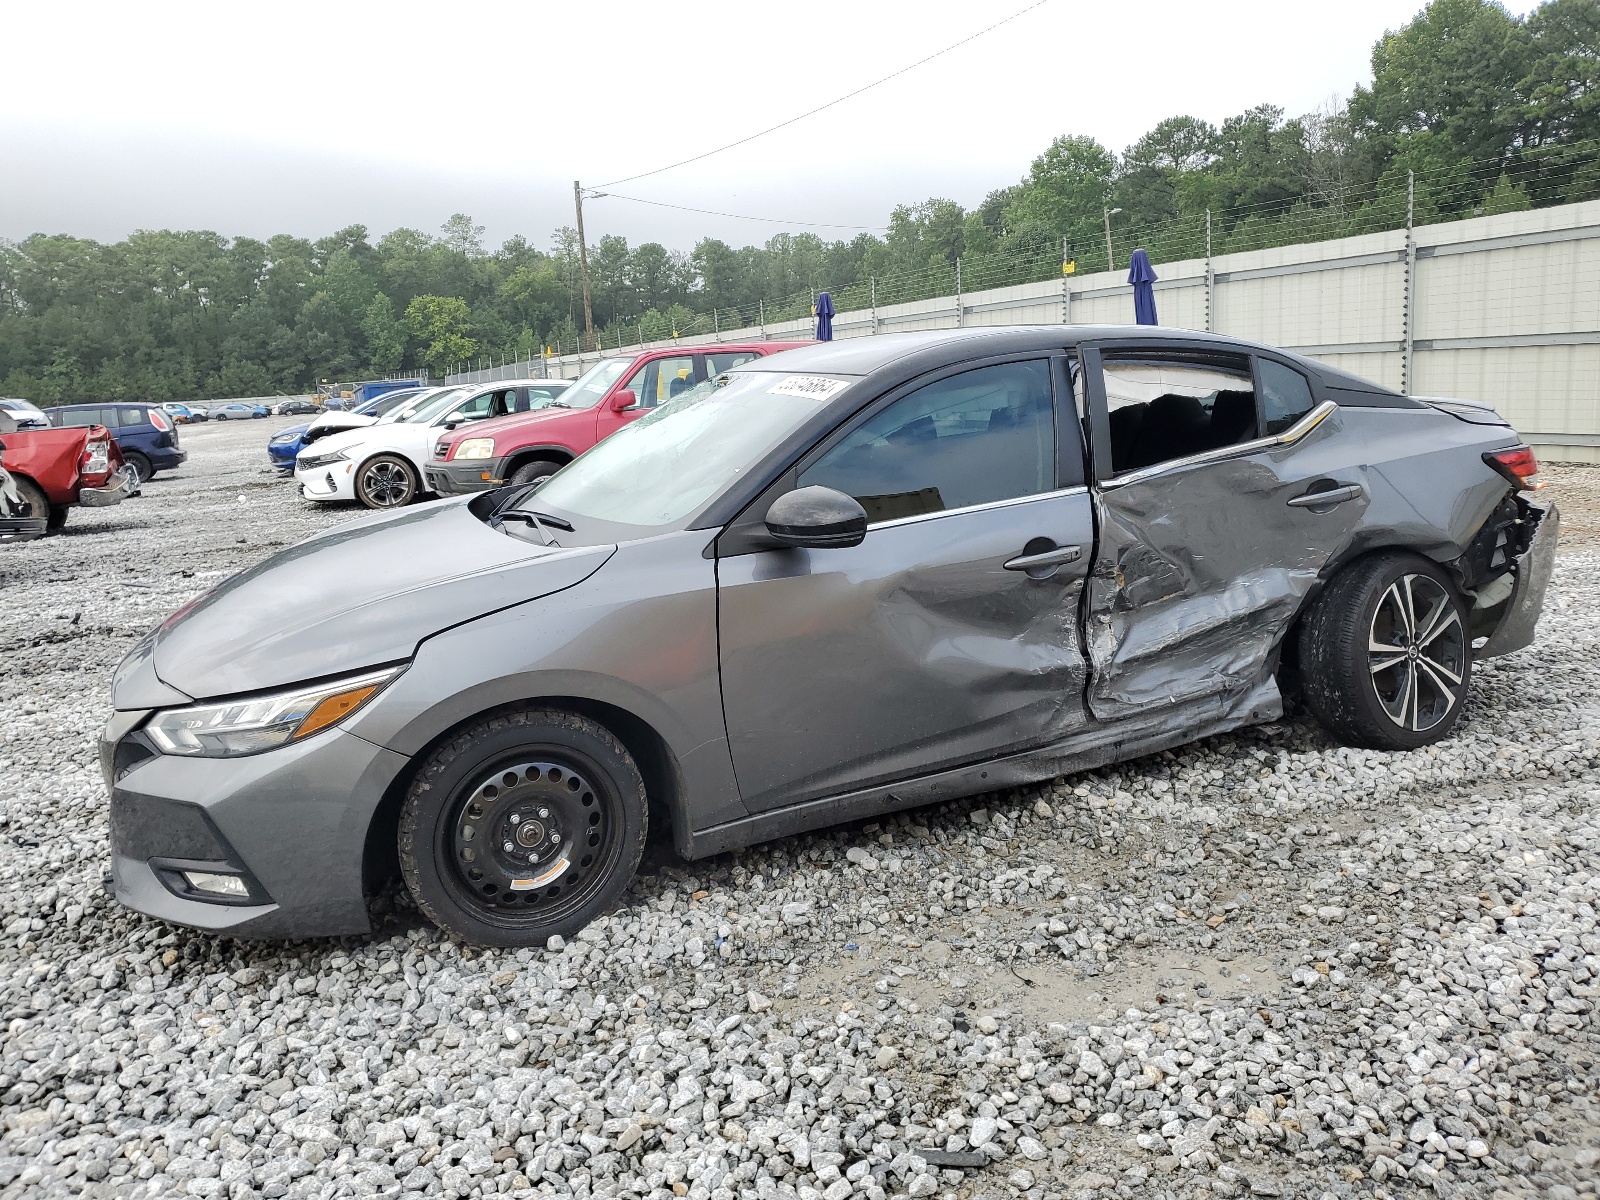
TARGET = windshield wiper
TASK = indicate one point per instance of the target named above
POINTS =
(540, 521)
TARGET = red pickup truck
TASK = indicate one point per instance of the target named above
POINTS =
(50, 470)
(528, 446)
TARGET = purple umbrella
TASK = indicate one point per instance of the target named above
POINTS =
(824, 318)
(1142, 275)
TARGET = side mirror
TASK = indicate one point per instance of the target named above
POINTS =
(817, 517)
(454, 419)
(624, 400)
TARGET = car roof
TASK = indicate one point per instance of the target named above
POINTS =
(928, 349)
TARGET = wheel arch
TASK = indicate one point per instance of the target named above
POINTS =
(524, 455)
(663, 780)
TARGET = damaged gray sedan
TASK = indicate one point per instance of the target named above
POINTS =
(839, 581)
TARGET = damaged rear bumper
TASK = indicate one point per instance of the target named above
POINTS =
(1532, 571)
(122, 484)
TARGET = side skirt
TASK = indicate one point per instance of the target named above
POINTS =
(1145, 733)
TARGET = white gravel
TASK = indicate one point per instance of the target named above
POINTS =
(1261, 965)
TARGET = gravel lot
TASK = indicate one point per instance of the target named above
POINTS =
(1262, 965)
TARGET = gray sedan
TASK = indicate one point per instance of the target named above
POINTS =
(840, 581)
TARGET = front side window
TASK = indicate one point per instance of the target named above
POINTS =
(716, 364)
(1167, 408)
(594, 383)
(662, 379)
(1285, 395)
(973, 438)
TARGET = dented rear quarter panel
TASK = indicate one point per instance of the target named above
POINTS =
(1202, 570)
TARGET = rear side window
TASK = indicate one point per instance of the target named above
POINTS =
(973, 438)
(1167, 408)
(132, 416)
(1285, 395)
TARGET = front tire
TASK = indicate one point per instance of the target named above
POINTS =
(524, 825)
(535, 471)
(1385, 656)
(386, 481)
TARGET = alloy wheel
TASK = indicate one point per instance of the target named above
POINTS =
(386, 484)
(1417, 652)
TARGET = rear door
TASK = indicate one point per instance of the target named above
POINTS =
(1207, 464)
(951, 633)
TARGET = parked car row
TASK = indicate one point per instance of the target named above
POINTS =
(455, 440)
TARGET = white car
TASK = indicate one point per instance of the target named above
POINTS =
(381, 464)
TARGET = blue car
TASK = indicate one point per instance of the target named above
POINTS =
(147, 436)
(287, 443)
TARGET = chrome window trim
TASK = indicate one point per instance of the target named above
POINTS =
(1075, 490)
(1288, 437)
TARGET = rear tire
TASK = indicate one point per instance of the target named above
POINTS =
(533, 472)
(33, 495)
(558, 789)
(141, 464)
(386, 481)
(1385, 658)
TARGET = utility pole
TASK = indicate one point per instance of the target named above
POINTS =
(583, 261)
(1111, 264)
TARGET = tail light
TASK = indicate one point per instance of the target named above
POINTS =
(1518, 465)
(159, 420)
(96, 458)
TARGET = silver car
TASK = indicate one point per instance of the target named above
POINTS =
(840, 581)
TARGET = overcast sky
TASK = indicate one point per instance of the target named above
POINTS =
(302, 117)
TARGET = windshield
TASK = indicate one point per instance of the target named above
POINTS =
(425, 407)
(587, 389)
(674, 459)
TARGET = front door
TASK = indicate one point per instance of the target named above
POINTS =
(653, 383)
(1210, 537)
(951, 633)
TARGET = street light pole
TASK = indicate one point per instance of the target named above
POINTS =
(1111, 264)
(583, 262)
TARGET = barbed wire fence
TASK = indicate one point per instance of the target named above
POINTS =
(1537, 178)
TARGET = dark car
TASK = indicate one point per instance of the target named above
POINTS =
(146, 435)
(834, 583)
(298, 408)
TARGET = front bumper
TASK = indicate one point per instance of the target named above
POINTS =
(292, 822)
(123, 483)
(336, 481)
(461, 478)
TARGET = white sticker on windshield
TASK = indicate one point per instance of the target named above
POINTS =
(817, 387)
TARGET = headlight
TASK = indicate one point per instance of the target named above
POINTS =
(233, 728)
(307, 461)
(280, 439)
(475, 448)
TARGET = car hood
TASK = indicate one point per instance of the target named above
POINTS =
(360, 595)
(343, 420)
(511, 421)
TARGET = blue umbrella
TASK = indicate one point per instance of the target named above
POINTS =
(824, 318)
(1142, 275)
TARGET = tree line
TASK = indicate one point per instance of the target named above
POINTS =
(1470, 110)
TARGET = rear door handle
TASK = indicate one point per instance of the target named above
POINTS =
(1336, 495)
(1047, 558)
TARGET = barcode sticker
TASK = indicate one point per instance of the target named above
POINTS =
(817, 387)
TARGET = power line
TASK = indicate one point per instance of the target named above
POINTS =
(831, 103)
(735, 216)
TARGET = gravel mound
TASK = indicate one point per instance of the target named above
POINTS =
(1261, 965)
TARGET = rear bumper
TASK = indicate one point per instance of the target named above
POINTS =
(1533, 569)
(462, 478)
(166, 460)
(122, 484)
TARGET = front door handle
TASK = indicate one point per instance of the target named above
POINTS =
(1046, 560)
(1327, 499)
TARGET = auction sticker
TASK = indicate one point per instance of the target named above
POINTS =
(817, 387)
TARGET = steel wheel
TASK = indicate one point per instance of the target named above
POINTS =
(386, 482)
(531, 838)
(1416, 652)
(525, 824)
